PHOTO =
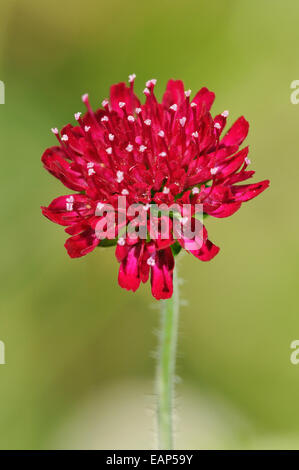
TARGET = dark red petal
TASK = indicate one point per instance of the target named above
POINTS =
(191, 241)
(207, 252)
(225, 210)
(232, 164)
(237, 133)
(57, 211)
(121, 252)
(128, 276)
(162, 274)
(77, 228)
(241, 176)
(121, 93)
(204, 99)
(246, 192)
(174, 93)
(55, 161)
(81, 244)
(75, 138)
(199, 246)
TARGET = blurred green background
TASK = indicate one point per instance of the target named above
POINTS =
(79, 349)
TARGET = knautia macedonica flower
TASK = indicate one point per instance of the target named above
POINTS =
(151, 154)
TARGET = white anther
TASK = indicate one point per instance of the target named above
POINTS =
(121, 104)
(225, 113)
(151, 261)
(147, 122)
(195, 190)
(91, 172)
(119, 176)
(69, 206)
(132, 77)
(86, 128)
(104, 119)
(129, 148)
(109, 150)
(161, 134)
(105, 103)
(131, 118)
(193, 105)
(183, 121)
(70, 199)
(174, 107)
(64, 138)
(247, 161)
(187, 93)
(217, 125)
(138, 110)
(54, 130)
(77, 116)
(142, 148)
(146, 91)
(111, 137)
(125, 192)
(214, 170)
(146, 207)
(153, 81)
(195, 134)
(90, 165)
(165, 190)
(162, 154)
(100, 206)
(121, 241)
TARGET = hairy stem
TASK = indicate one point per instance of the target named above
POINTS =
(166, 367)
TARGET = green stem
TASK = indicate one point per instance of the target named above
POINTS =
(166, 367)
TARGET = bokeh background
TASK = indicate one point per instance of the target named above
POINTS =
(80, 350)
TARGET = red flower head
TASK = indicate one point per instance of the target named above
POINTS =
(156, 153)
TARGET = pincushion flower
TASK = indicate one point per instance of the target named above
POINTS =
(151, 153)
(173, 164)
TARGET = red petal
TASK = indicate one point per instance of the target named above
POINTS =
(80, 245)
(75, 138)
(121, 93)
(174, 93)
(246, 192)
(241, 176)
(204, 99)
(128, 276)
(237, 133)
(191, 241)
(57, 211)
(162, 273)
(207, 252)
(232, 164)
(77, 228)
(225, 210)
(54, 160)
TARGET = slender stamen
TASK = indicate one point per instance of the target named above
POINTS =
(132, 78)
